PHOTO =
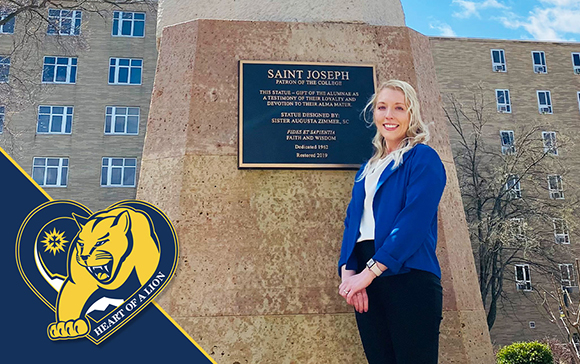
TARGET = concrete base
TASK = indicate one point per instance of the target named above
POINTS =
(256, 281)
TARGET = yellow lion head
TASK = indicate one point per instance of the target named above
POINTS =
(103, 243)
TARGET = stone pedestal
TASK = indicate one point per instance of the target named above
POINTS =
(374, 12)
(256, 281)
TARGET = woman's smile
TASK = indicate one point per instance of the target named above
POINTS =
(390, 127)
(392, 117)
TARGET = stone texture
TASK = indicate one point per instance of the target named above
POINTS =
(278, 338)
(375, 12)
(462, 335)
(259, 247)
(243, 215)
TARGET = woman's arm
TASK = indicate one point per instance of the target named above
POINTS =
(414, 222)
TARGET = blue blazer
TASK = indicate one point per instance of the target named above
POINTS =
(405, 212)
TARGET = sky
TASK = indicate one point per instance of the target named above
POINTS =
(543, 20)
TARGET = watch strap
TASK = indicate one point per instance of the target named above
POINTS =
(372, 265)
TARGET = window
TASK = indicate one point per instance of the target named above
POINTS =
(54, 119)
(555, 187)
(59, 70)
(550, 146)
(50, 172)
(1, 119)
(4, 68)
(125, 71)
(507, 142)
(544, 102)
(122, 120)
(8, 27)
(498, 60)
(539, 59)
(127, 24)
(503, 101)
(118, 172)
(576, 63)
(523, 281)
(532, 324)
(567, 274)
(513, 186)
(578, 94)
(64, 22)
(517, 227)
(576, 341)
(561, 231)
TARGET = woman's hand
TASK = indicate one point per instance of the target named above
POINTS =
(360, 301)
(353, 288)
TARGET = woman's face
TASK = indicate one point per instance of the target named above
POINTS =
(391, 117)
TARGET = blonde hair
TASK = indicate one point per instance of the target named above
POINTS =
(417, 132)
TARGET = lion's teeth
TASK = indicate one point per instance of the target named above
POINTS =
(98, 270)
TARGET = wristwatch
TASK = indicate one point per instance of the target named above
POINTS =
(372, 265)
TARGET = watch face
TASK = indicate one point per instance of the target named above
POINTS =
(371, 262)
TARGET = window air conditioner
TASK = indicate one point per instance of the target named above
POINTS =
(545, 110)
(498, 68)
(514, 194)
(522, 286)
(540, 69)
(508, 149)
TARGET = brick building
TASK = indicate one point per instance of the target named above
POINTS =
(81, 136)
(524, 83)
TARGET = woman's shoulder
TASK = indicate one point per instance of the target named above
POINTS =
(426, 153)
(427, 159)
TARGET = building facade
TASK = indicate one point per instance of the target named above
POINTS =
(89, 77)
(534, 87)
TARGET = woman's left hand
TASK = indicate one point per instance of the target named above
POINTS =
(350, 286)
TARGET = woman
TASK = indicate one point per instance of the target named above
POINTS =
(389, 270)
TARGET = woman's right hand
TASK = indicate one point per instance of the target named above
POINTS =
(360, 300)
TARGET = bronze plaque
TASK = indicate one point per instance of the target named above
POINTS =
(304, 115)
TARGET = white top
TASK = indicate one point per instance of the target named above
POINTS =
(367, 223)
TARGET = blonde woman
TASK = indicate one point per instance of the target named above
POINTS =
(390, 273)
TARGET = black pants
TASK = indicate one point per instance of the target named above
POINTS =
(402, 323)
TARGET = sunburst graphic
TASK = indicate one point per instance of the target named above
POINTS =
(54, 241)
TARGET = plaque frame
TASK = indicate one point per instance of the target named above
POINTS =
(241, 164)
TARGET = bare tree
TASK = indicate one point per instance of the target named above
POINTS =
(30, 39)
(563, 309)
(37, 8)
(30, 33)
(505, 194)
